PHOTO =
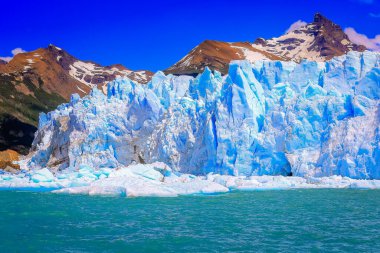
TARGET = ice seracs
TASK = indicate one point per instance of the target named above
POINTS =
(269, 118)
(309, 120)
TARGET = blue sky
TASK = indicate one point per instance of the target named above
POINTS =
(155, 34)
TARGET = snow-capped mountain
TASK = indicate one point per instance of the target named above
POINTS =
(319, 40)
(40, 80)
(308, 119)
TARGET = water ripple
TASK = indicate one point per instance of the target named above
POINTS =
(265, 221)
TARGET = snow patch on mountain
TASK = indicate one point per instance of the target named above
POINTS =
(295, 45)
(250, 55)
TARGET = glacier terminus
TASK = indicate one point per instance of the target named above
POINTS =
(267, 124)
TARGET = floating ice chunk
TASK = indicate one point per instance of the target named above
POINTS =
(126, 182)
(107, 191)
(365, 184)
(86, 171)
(196, 186)
(43, 175)
(131, 186)
(84, 190)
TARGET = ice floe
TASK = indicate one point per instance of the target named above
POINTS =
(157, 179)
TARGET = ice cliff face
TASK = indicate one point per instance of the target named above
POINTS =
(270, 118)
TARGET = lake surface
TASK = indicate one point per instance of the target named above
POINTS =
(323, 220)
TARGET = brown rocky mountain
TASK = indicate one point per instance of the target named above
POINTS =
(320, 40)
(217, 55)
(38, 81)
(63, 74)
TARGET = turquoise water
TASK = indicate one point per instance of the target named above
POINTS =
(261, 221)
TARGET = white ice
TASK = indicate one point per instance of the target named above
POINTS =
(310, 125)
(158, 180)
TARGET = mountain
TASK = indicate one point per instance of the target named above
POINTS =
(217, 55)
(39, 81)
(303, 119)
(320, 40)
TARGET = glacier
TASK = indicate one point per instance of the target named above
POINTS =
(310, 123)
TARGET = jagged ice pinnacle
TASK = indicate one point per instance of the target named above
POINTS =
(311, 119)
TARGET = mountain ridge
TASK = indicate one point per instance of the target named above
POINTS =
(319, 40)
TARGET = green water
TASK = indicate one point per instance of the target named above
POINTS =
(261, 221)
